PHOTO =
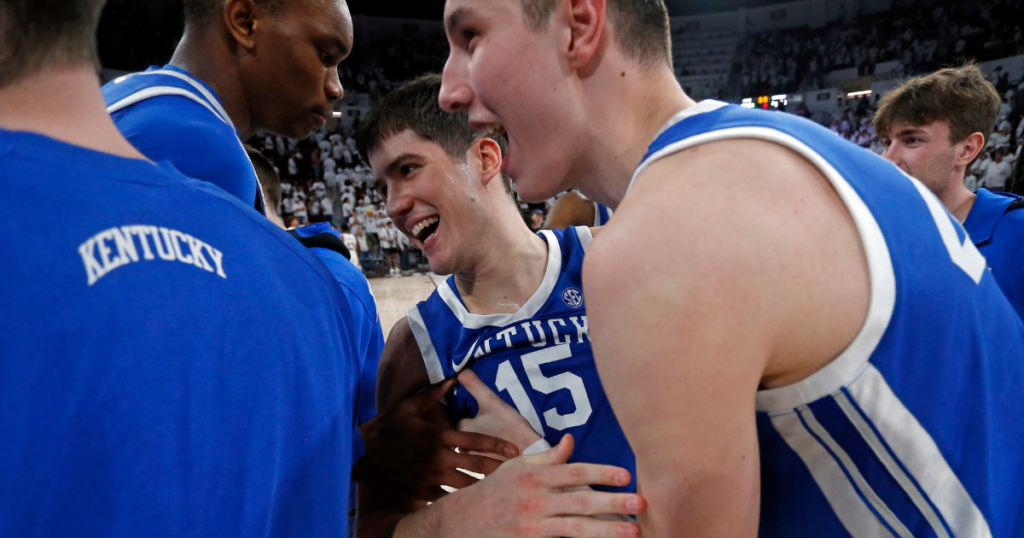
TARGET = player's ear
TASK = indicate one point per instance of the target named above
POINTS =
(969, 149)
(586, 28)
(489, 155)
(242, 19)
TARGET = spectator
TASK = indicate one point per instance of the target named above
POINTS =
(299, 210)
(365, 250)
(998, 172)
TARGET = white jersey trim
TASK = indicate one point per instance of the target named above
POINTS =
(435, 372)
(528, 311)
(158, 91)
(214, 102)
(919, 453)
(852, 361)
(852, 511)
(585, 235)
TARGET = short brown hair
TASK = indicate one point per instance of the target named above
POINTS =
(38, 33)
(642, 26)
(267, 176)
(959, 96)
(415, 107)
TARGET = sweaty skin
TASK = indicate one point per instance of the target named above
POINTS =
(706, 286)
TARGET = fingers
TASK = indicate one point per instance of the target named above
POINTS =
(558, 454)
(584, 527)
(592, 503)
(584, 474)
(477, 464)
(481, 392)
(478, 442)
(420, 402)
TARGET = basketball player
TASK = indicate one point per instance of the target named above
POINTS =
(933, 127)
(513, 312)
(152, 383)
(242, 67)
(796, 337)
(573, 209)
(328, 245)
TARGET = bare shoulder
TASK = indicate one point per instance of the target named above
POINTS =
(750, 230)
(570, 209)
(401, 370)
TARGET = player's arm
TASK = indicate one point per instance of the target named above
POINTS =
(410, 444)
(570, 209)
(685, 334)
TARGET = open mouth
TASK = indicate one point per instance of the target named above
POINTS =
(425, 228)
(492, 130)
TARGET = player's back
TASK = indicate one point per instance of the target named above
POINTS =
(538, 360)
(173, 363)
(915, 429)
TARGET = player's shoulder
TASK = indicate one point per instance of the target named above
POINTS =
(401, 370)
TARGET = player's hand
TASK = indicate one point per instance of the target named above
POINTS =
(525, 498)
(495, 418)
(410, 450)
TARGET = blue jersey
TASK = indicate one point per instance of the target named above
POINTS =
(915, 429)
(602, 214)
(369, 336)
(996, 226)
(538, 360)
(169, 115)
(172, 363)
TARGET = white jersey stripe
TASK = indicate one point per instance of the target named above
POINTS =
(919, 453)
(848, 506)
(157, 91)
(890, 464)
(583, 232)
(214, 102)
(435, 372)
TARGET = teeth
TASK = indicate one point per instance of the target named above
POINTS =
(423, 224)
(493, 129)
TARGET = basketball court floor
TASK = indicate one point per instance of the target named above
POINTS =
(396, 295)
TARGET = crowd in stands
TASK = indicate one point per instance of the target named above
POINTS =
(920, 35)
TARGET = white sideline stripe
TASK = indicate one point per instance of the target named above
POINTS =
(848, 506)
(585, 236)
(845, 368)
(199, 87)
(532, 306)
(158, 91)
(419, 331)
(890, 464)
(918, 452)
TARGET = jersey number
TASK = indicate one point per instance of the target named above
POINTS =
(965, 255)
(508, 381)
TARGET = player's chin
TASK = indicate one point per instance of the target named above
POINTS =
(532, 187)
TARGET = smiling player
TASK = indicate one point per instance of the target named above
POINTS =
(513, 312)
(242, 67)
(795, 336)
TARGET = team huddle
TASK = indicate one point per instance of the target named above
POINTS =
(742, 325)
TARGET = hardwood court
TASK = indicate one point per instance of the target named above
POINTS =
(396, 295)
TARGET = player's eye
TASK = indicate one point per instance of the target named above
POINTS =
(468, 36)
(407, 169)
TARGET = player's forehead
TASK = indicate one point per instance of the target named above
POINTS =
(934, 128)
(459, 12)
(392, 150)
(326, 18)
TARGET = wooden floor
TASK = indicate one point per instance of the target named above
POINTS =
(396, 295)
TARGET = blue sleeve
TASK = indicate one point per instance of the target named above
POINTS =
(194, 140)
(1006, 258)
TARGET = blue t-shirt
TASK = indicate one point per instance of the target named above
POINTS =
(999, 235)
(538, 360)
(169, 115)
(172, 363)
(915, 429)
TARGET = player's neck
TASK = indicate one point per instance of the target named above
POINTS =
(504, 278)
(958, 199)
(204, 57)
(625, 116)
(65, 104)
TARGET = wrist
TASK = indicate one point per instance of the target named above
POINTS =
(526, 440)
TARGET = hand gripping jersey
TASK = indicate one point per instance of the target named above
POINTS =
(916, 429)
(169, 115)
(171, 363)
(538, 360)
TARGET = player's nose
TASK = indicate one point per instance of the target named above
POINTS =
(456, 94)
(398, 203)
(332, 88)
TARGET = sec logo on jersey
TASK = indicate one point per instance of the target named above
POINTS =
(572, 297)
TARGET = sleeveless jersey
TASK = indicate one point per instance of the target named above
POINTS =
(538, 360)
(602, 214)
(171, 363)
(169, 115)
(915, 429)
